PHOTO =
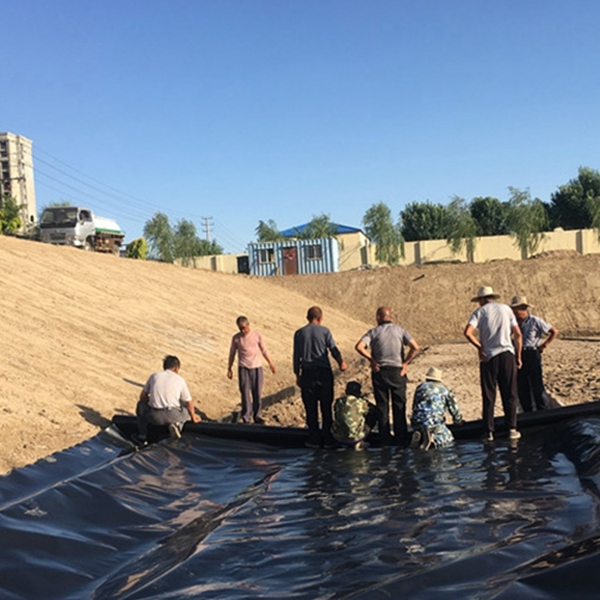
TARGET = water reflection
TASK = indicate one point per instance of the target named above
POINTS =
(209, 519)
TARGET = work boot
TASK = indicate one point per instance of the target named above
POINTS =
(416, 439)
(488, 436)
(514, 435)
(174, 431)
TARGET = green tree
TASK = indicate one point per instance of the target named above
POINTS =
(462, 228)
(490, 215)
(186, 242)
(381, 230)
(137, 248)
(527, 220)
(159, 234)
(268, 232)
(180, 242)
(55, 204)
(576, 204)
(10, 215)
(317, 228)
(208, 248)
(424, 221)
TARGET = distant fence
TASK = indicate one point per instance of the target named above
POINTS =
(358, 251)
(583, 241)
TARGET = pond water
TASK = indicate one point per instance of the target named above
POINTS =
(208, 518)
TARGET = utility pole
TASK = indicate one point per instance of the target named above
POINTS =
(207, 226)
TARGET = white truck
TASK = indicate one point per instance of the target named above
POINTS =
(77, 226)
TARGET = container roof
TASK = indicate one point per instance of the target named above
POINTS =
(294, 231)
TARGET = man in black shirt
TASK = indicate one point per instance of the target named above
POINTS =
(315, 377)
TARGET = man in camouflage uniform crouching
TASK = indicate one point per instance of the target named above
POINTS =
(428, 419)
(353, 417)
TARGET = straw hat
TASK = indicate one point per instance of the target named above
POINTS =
(434, 374)
(519, 301)
(485, 291)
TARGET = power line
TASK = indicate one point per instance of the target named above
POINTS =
(86, 196)
(76, 189)
(223, 234)
(144, 203)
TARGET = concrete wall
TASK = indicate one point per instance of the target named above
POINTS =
(584, 241)
(224, 263)
(496, 247)
(356, 251)
(560, 240)
(588, 242)
(431, 251)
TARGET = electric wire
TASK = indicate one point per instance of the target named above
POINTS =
(120, 203)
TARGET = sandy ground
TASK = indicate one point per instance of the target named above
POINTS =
(571, 373)
(81, 333)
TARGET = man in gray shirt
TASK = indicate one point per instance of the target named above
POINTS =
(165, 400)
(312, 368)
(499, 358)
(383, 346)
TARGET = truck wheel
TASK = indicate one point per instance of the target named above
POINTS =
(88, 246)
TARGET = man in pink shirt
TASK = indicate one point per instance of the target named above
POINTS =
(250, 349)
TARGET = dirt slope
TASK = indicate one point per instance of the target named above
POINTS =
(433, 301)
(81, 332)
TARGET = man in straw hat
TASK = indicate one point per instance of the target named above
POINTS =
(529, 379)
(428, 419)
(499, 359)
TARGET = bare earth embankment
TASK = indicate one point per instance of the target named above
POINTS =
(81, 332)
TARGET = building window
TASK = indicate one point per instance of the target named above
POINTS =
(314, 252)
(267, 255)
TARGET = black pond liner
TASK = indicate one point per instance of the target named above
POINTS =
(213, 517)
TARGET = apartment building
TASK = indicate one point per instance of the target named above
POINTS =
(16, 174)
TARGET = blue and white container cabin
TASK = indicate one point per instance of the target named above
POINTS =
(294, 257)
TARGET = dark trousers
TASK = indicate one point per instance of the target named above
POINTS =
(388, 385)
(146, 414)
(316, 386)
(499, 370)
(250, 383)
(530, 381)
(372, 416)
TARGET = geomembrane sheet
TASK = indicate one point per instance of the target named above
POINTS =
(208, 518)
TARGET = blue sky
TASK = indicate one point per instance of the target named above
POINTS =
(242, 110)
